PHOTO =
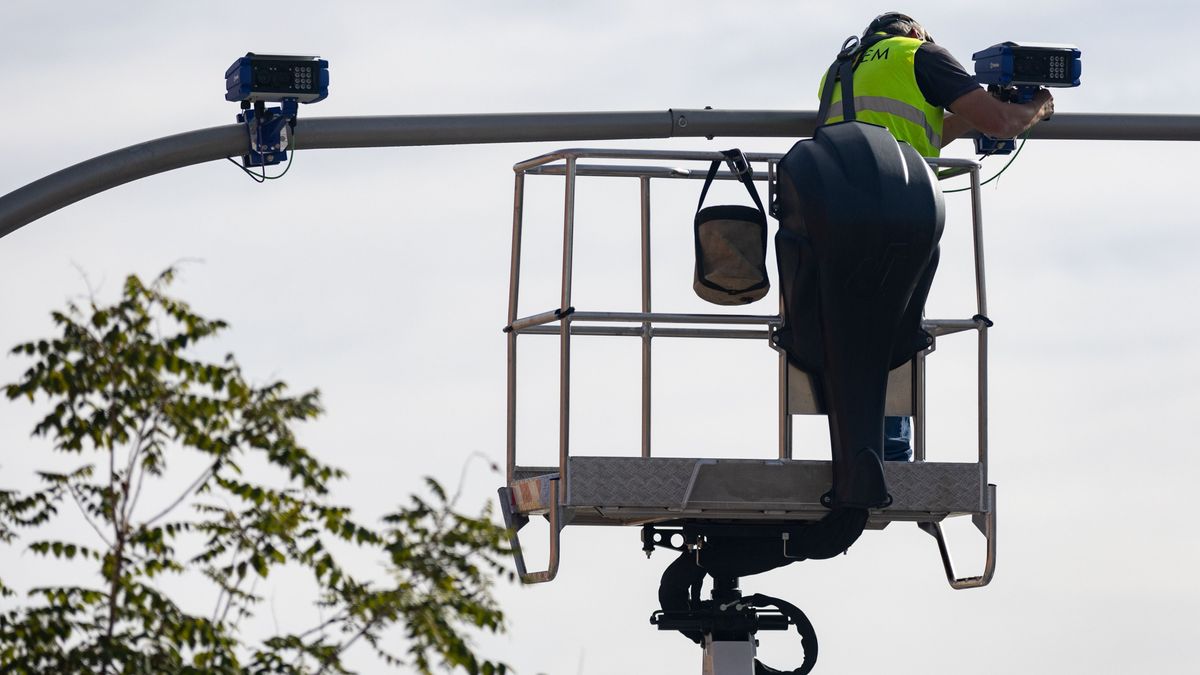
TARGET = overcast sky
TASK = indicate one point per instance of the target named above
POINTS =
(380, 276)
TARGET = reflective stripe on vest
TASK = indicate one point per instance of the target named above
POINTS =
(893, 107)
(887, 94)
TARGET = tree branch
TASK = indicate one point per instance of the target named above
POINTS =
(346, 645)
(237, 587)
(195, 485)
(120, 528)
(87, 516)
(132, 465)
(440, 518)
(341, 616)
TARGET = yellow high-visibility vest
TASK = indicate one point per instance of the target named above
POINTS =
(886, 93)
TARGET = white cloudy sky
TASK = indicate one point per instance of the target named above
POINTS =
(380, 276)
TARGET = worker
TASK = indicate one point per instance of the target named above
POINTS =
(904, 81)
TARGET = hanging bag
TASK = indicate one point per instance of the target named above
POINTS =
(731, 242)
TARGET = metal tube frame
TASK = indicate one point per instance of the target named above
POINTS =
(514, 271)
(981, 320)
(647, 334)
(572, 322)
(986, 525)
(638, 331)
(647, 324)
(564, 365)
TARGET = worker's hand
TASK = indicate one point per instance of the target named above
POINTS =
(1045, 102)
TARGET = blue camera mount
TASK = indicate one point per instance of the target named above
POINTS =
(270, 131)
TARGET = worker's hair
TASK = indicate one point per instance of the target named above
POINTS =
(895, 23)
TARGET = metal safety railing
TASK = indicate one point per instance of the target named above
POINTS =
(566, 320)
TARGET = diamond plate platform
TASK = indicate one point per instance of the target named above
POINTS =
(636, 490)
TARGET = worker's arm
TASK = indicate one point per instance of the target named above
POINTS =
(954, 126)
(978, 110)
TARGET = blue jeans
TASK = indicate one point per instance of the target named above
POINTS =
(897, 439)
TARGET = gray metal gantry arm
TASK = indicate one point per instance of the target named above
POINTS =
(50, 193)
(637, 488)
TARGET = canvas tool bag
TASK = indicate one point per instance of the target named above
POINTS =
(731, 242)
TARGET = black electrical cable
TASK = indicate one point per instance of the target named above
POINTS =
(255, 178)
(1002, 169)
(291, 149)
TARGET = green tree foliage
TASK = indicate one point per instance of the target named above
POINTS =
(126, 398)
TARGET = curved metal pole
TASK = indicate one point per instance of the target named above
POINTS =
(24, 205)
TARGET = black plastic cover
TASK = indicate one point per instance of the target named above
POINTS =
(860, 218)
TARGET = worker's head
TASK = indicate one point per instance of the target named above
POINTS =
(896, 23)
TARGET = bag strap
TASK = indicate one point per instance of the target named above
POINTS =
(741, 168)
(843, 69)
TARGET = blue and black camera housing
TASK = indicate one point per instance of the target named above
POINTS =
(1014, 71)
(273, 78)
